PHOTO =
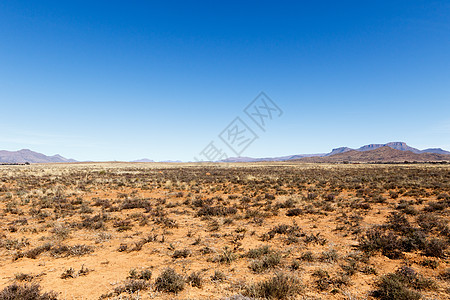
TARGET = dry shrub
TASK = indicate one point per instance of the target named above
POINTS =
(281, 286)
(25, 292)
(404, 284)
(169, 281)
(195, 279)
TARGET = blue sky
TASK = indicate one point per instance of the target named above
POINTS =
(116, 80)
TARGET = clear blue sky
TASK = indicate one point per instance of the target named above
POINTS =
(123, 80)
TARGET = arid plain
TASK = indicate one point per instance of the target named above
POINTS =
(225, 231)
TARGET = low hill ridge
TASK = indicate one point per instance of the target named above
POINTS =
(26, 155)
(381, 154)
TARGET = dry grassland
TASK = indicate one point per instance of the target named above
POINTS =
(228, 231)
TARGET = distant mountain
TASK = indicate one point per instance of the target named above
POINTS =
(144, 160)
(338, 150)
(281, 158)
(365, 153)
(400, 146)
(240, 159)
(26, 155)
(435, 150)
(379, 154)
(394, 145)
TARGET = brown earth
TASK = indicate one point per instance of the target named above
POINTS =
(111, 219)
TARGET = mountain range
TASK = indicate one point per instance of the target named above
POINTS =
(355, 154)
(389, 152)
(394, 145)
(26, 155)
(143, 160)
(378, 155)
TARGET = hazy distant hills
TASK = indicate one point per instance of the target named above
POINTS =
(143, 160)
(389, 152)
(366, 153)
(281, 158)
(26, 155)
(338, 150)
(146, 160)
(435, 150)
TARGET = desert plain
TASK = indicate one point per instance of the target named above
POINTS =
(225, 231)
